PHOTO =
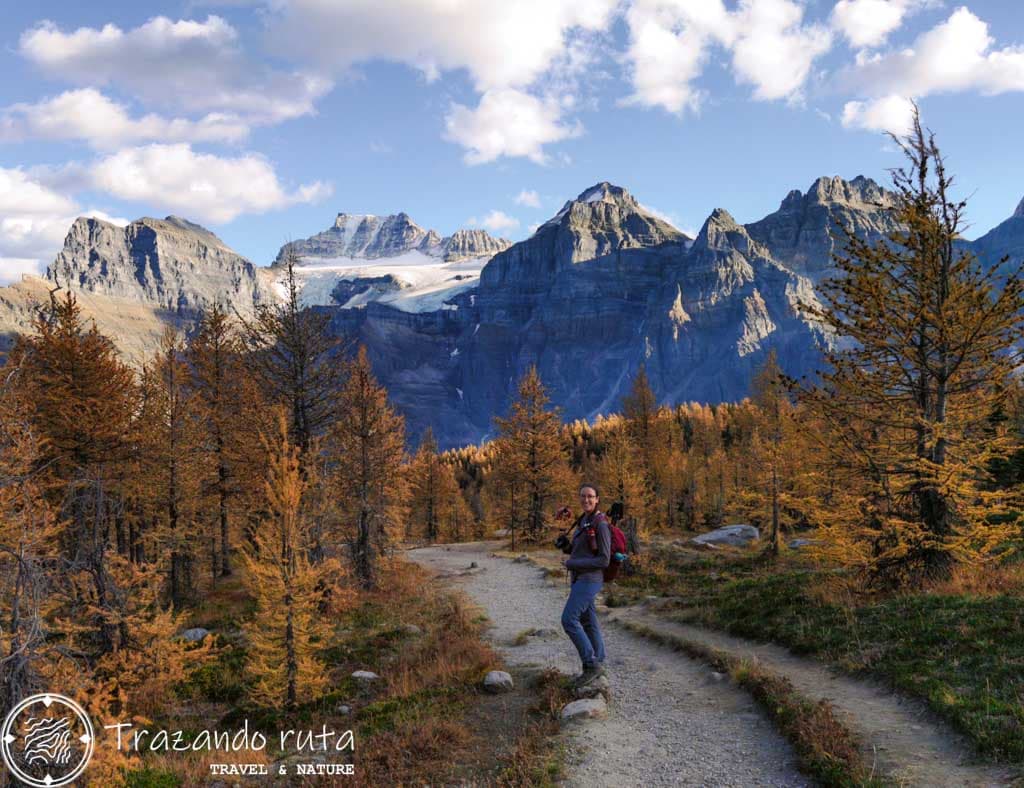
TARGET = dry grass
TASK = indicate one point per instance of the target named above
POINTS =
(987, 580)
(536, 761)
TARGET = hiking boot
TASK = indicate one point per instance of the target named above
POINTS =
(589, 674)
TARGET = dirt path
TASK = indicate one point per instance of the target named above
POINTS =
(900, 735)
(670, 721)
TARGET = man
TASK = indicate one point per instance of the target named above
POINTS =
(590, 552)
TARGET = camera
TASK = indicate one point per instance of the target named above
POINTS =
(562, 543)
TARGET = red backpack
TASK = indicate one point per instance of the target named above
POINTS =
(618, 546)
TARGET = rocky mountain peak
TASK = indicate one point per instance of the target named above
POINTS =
(801, 233)
(169, 264)
(365, 236)
(1020, 210)
(721, 233)
(862, 193)
(472, 243)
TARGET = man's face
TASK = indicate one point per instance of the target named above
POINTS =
(588, 500)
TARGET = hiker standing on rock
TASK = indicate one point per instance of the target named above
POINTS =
(590, 549)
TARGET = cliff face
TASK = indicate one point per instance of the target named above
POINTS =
(451, 324)
(1006, 238)
(170, 264)
(797, 234)
(600, 289)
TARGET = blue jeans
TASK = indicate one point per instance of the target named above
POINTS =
(579, 620)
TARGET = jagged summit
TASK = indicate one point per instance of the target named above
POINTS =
(1020, 210)
(605, 200)
(800, 233)
(169, 264)
(720, 231)
(370, 237)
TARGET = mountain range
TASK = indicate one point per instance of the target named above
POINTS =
(451, 323)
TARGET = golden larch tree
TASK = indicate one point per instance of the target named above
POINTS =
(929, 341)
(367, 448)
(287, 585)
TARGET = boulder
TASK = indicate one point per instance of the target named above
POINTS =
(367, 676)
(732, 535)
(585, 708)
(498, 681)
(799, 544)
(195, 634)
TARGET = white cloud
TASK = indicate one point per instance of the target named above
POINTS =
(524, 58)
(867, 23)
(955, 55)
(495, 221)
(890, 113)
(774, 50)
(33, 222)
(501, 44)
(529, 198)
(202, 186)
(89, 116)
(670, 42)
(186, 64)
(508, 123)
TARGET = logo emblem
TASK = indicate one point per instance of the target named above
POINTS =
(46, 740)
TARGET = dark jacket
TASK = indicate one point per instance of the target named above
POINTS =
(584, 562)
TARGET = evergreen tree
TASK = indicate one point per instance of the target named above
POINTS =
(288, 588)
(28, 532)
(367, 449)
(436, 506)
(231, 408)
(81, 399)
(533, 451)
(170, 442)
(929, 341)
(298, 361)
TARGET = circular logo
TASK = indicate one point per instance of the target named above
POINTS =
(46, 740)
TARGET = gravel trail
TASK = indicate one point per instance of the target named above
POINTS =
(670, 721)
(902, 738)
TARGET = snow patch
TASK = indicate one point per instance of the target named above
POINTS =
(425, 282)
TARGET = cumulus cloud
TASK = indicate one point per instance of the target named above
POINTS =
(87, 115)
(33, 222)
(867, 23)
(954, 56)
(495, 221)
(186, 64)
(774, 50)
(508, 123)
(523, 58)
(670, 42)
(889, 113)
(529, 198)
(500, 44)
(204, 186)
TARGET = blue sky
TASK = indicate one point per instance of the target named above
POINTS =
(262, 119)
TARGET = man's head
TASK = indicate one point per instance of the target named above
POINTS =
(588, 498)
